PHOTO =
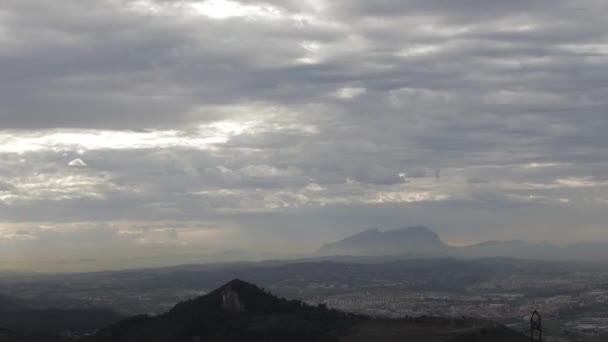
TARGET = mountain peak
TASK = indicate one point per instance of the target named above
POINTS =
(234, 297)
(416, 239)
(414, 230)
(231, 299)
(237, 308)
(269, 318)
(418, 229)
(238, 284)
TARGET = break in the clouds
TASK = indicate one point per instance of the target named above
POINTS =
(163, 125)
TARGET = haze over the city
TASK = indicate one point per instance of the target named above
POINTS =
(132, 129)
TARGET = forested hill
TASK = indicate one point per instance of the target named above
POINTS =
(242, 312)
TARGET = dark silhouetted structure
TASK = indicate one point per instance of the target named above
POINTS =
(536, 327)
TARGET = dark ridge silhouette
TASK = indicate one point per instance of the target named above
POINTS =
(241, 312)
(5, 333)
(494, 333)
(237, 311)
(236, 297)
(7, 336)
(58, 320)
(10, 304)
(23, 323)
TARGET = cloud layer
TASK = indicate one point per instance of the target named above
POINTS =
(278, 120)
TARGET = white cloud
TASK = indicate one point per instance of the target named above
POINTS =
(77, 163)
(579, 182)
(224, 9)
(418, 50)
(408, 197)
(206, 137)
(350, 93)
(539, 165)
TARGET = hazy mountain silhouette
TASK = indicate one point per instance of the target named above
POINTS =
(421, 241)
(411, 240)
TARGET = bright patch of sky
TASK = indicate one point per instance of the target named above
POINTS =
(205, 137)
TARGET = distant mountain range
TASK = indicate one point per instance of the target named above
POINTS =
(422, 242)
(372, 245)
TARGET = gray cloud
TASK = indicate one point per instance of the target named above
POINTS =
(6, 187)
(281, 112)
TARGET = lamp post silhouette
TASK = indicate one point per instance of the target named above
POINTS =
(536, 327)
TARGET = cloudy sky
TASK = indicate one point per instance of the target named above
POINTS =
(131, 128)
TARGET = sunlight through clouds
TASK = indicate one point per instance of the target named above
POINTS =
(207, 137)
(314, 111)
(224, 9)
(213, 9)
